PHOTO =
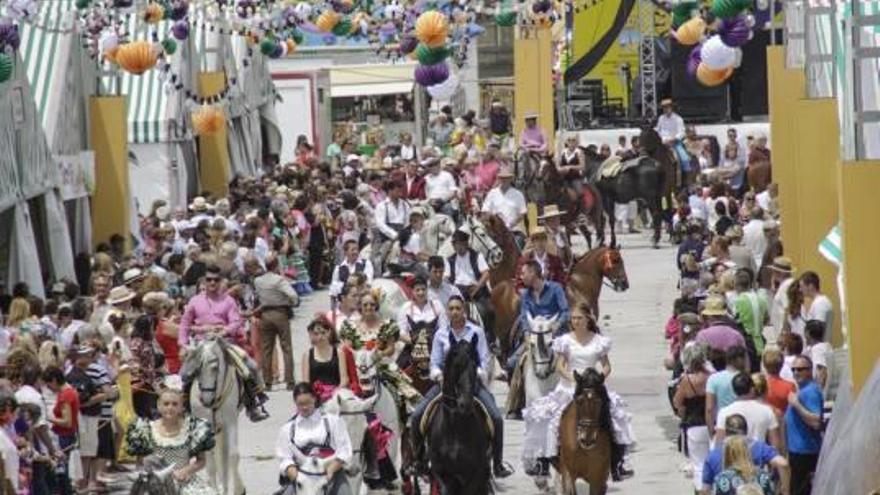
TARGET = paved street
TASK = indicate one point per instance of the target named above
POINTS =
(634, 321)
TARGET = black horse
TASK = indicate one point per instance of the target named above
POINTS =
(460, 445)
(648, 177)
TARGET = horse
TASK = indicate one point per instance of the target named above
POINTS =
(527, 175)
(480, 241)
(590, 273)
(215, 396)
(311, 477)
(353, 411)
(759, 175)
(459, 439)
(649, 177)
(384, 405)
(585, 436)
(539, 368)
(581, 207)
(437, 229)
(153, 478)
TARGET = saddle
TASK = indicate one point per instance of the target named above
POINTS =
(432, 408)
(614, 166)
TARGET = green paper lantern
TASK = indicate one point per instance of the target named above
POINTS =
(81, 4)
(170, 46)
(297, 36)
(267, 46)
(729, 8)
(5, 67)
(431, 56)
(682, 13)
(505, 19)
(342, 28)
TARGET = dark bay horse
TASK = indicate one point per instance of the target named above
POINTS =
(585, 436)
(581, 206)
(527, 175)
(459, 443)
(504, 296)
(591, 271)
(650, 179)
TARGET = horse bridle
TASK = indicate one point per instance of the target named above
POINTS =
(218, 398)
(490, 250)
(535, 363)
(607, 267)
(587, 429)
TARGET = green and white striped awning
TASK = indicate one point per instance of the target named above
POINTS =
(830, 247)
(45, 48)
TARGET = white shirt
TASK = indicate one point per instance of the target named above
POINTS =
(312, 430)
(464, 273)
(710, 204)
(821, 309)
(670, 127)
(443, 293)
(413, 246)
(699, 208)
(759, 417)
(411, 312)
(69, 332)
(510, 205)
(440, 186)
(785, 373)
(389, 212)
(336, 284)
(779, 306)
(820, 354)
(755, 240)
(763, 199)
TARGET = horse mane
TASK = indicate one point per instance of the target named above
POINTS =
(592, 379)
(460, 359)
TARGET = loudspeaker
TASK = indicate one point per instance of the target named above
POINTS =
(749, 90)
(692, 99)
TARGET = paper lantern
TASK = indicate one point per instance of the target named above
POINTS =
(408, 44)
(179, 10)
(342, 28)
(716, 55)
(267, 46)
(136, 57)
(429, 75)
(682, 12)
(180, 30)
(432, 28)
(735, 31)
(693, 61)
(9, 36)
(729, 8)
(5, 67)
(291, 46)
(691, 31)
(169, 45)
(444, 90)
(153, 13)
(431, 56)
(712, 78)
(296, 36)
(327, 20)
(505, 19)
(208, 120)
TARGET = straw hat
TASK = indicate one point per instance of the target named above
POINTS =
(551, 211)
(162, 213)
(714, 306)
(119, 295)
(538, 231)
(782, 264)
(199, 203)
(531, 115)
(505, 173)
(132, 275)
(666, 102)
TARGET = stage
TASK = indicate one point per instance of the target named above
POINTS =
(610, 136)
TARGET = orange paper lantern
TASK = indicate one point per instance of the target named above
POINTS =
(711, 78)
(291, 46)
(110, 54)
(432, 28)
(154, 13)
(327, 20)
(208, 120)
(690, 33)
(136, 57)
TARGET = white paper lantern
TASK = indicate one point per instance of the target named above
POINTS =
(716, 55)
(303, 10)
(444, 90)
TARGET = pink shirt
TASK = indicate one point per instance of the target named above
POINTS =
(484, 175)
(203, 310)
(533, 139)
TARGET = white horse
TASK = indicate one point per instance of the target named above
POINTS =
(353, 410)
(480, 241)
(384, 406)
(539, 367)
(215, 397)
(311, 478)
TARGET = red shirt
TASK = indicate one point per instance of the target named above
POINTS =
(67, 395)
(170, 347)
(777, 393)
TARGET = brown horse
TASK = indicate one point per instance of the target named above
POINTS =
(759, 175)
(581, 206)
(585, 436)
(504, 295)
(590, 272)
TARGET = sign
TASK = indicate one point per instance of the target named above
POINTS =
(77, 174)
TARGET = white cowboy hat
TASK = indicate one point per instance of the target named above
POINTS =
(199, 203)
(551, 211)
(666, 102)
(132, 275)
(119, 295)
(538, 230)
(162, 213)
(531, 115)
(352, 158)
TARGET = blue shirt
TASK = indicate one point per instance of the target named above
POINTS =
(720, 385)
(800, 437)
(762, 454)
(552, 301)
(441, 345)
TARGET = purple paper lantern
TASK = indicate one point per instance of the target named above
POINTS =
(429, 75)
(735, 31)
(180, 30)
(693, 61)
(179, 10)
(329, 39)
(9, 36)
(408, 43)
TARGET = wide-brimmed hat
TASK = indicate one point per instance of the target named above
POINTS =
(85, 350)
(163, 212)
(782, 264)
(119, 295)
(714, 306)
(132, 275)
(352, 158)
(688, 318)
(505, 173)
(531, 115)
(199, 203)
(551, 211)
(771, 225)
(666, 102)
(430, 161)
(538, 230)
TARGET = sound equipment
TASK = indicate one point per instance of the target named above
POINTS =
(693, 101)
(750, 89)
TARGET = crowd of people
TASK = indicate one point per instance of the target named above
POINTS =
(748, 339)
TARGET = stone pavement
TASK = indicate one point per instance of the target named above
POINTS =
(633, 320)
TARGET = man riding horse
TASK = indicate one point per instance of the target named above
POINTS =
(672, 131)
(468, 270)
(459, 329)
(215, 312)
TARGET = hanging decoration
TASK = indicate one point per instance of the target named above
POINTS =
(208, 120)
(136, 57)
(693, 62)
(153, 13)
(429, 75)
(432, 29)
(736, 31)
(5, 67)
(711, 78)
(716, 55)
(730, 8)
(690, 32)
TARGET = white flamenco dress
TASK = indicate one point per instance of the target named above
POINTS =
(542, 417)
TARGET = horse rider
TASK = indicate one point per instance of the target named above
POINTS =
(420, 314)
(413, 182)
(572, 164)
(468, 270)
(507, 202)
(671, 128)
(499, 121)
(213, 311)
(559, 244)
(457, 329)
(313, 433)
(438, 288)
(411, 256)
(539, 297)
(351, 263)
(532, 139)
(440, 187)
(551, 265)
(392, 216)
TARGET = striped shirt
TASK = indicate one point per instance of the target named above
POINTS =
(100, 377)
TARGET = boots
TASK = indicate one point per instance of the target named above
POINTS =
(254, 401)
(618, 470)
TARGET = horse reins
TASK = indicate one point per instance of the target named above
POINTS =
(550, 361)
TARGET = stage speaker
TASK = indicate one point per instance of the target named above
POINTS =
(749, 89)
(693, 101)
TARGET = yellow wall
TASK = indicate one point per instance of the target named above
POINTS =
(860, 238)
(214, 167)
(533, 79)
(109, 140)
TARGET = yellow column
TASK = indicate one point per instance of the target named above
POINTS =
(533, 79)
(785, 88)
(214, 168)
(109, 140)
(860, 237)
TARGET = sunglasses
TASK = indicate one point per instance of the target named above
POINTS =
(800, 368)
(212, 279)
